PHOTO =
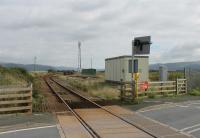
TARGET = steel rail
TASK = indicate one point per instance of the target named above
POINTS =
(85, 125)
(99, 106)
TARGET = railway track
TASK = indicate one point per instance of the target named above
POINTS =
(96, 120)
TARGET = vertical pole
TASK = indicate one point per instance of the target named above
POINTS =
(91, 62)
(136, 87)
(177, 86)
(78, 59)
(132, 79)
(35, 60)
(31, 100)
(122, 91)
(185, 71)
(186, 90)
(79, 56)
(185, 77)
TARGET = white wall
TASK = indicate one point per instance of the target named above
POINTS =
(114, 69)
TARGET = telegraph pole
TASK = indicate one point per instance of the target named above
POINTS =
(79, 56)
(35, 61)
(91, 62)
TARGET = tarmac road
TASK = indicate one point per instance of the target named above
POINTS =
(183, 116)
(39, 132)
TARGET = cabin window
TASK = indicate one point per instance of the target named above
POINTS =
(130, 66)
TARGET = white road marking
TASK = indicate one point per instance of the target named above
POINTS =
(186, 128)
(170, 104)
(192, 131)
(193, 103)
(19, 130)
(181, 106)
(158, 108)
(152, 101)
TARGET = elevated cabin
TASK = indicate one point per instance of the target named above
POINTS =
(119, 68)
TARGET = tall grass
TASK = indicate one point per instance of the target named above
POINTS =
(94, 87)
(14, 76)
(195, 92)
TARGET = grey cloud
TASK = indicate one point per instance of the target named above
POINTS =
(183, 52)
(88, 5)
(50, 29)
(29, 24)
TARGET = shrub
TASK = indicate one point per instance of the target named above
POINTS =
(12, 76)
(195, 92)
(152, 95)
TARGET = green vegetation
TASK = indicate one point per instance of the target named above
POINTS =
(51, 71)
(172, 75)
(38, 98)
(21, 77)
(195, 92)
(14, 76)
(153, 75)
(94, 86)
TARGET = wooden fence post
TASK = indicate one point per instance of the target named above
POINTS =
(177, 86)
(31, 99)
(122, 91)
(186, 90)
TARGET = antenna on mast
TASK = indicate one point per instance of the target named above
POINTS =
(91, 62)
(35, 61)
(79, 56)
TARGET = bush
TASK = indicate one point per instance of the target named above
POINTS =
(173, 75)
(12, 76)
(195, 92)
(95, 87)
(51, 71)
(22, 73)
(152, 95)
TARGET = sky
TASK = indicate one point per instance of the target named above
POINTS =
(51, 29)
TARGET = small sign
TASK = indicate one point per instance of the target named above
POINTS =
(143, 86)
(135, 66)
(141, 45)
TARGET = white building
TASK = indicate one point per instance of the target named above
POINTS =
(118, 68)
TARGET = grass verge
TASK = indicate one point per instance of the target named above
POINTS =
(95, 87)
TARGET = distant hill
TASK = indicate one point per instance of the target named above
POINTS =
(177, 65)
(30, 67)
(171, 66)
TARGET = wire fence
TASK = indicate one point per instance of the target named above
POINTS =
(193, 78)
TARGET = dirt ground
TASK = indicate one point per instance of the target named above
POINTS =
(50, 103)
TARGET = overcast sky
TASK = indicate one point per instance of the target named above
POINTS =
(51, 29)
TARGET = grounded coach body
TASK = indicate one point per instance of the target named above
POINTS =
(119, 68)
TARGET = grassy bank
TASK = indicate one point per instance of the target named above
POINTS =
(38, 98)
(21, 77)
(14, 76)
(94, 86)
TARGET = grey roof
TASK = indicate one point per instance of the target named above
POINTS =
(125, 56)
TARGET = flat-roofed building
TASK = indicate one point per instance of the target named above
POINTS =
(120, 68)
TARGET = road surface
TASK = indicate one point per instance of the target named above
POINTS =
(183, 116)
